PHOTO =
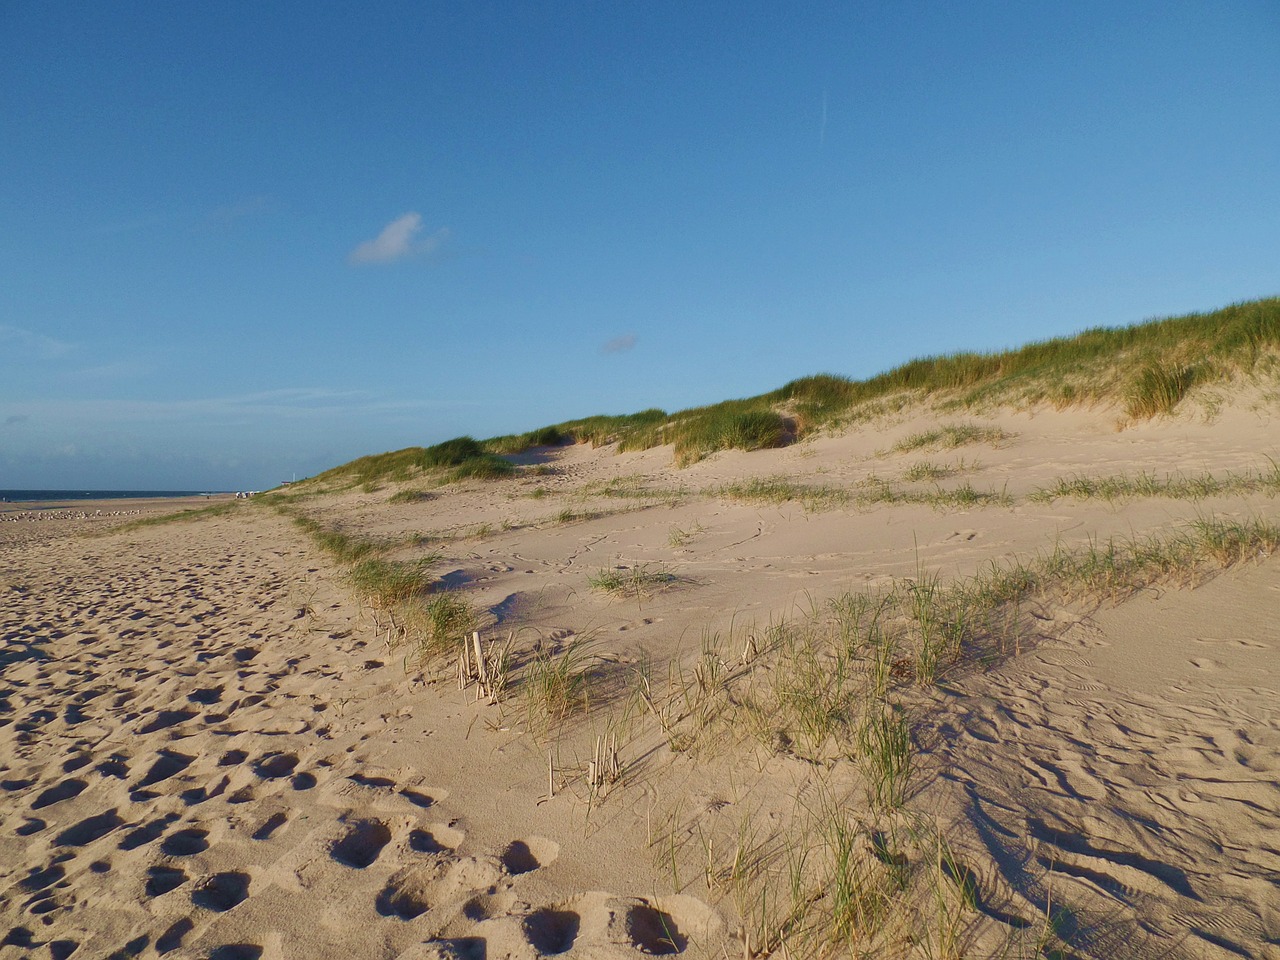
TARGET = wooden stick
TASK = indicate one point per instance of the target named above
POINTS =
(484, 674)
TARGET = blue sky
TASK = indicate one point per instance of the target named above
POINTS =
(240, 241)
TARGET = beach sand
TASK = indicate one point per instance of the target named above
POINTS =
(209, 747)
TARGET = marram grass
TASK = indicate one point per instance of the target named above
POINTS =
(1146, 370)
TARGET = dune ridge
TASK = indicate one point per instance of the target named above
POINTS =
(941, 681)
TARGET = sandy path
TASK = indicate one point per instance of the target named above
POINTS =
(202, 757)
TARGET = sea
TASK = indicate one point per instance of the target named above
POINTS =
(30, 496)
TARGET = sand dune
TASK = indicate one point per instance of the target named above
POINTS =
(209, 748)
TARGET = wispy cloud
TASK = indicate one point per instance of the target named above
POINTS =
(398, 239)
(241, 208)
(129, 226)
(292, 403)
(619, 344)
(115, 370)
(20, 344)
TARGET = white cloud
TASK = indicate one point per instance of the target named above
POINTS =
(619, 344)
(397, 241)
(25, 344)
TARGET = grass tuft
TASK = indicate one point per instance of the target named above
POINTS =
(1157, 389)
(636, 581)
(411, 496)
(952, 436)
(555, 686)
(779, 489)
(442, 623)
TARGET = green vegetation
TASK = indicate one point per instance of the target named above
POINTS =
(520, 442)
(1173, 486)
(951, 436)
(555, 686)
(1158, 387)
(461, 458)
(726, 426)
(634, 581)
(411, 496)
(1146, 370)
(834, 688)
(871, 492)
(181, 516)
(1170, 356)
(468, 459)
(603, 429)
(445, 622)
(927, 470)
(779, 489)
(385, 584)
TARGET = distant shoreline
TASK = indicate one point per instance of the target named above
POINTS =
(26, 496)
(106, 502)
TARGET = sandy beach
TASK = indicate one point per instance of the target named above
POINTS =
(213, 745)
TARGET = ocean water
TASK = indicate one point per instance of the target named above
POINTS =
(29, 496)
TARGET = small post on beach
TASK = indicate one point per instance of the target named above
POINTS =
(480, 667)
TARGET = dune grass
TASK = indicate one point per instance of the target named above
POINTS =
(631, 581)
(834, 686)
(453, 460)
(520, 442)
(180, 516)
(779, 489)
(929, 470)
(411, 496)
(1158, 388)
(952, 435)
(1176, 486)
(871, 492)
(1146, 370)
(555, 686)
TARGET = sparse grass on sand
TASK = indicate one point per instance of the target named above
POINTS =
(871, 492)
(929, 470)
(411, 496)
(780, 489)
(632, 581)
(555, 685)
(1175, 486)
(835, 687)
(841, 688)
(181, 516)
(951, 436)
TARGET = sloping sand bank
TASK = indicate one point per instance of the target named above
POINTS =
(208, 747)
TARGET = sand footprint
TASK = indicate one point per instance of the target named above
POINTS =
(527, 855)
(222, 891)
(659, 927)
(552, 930)
(406, 895)
(441, 838)
(362, 844)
